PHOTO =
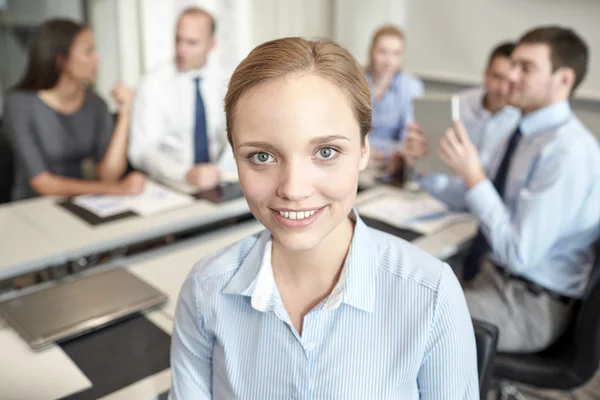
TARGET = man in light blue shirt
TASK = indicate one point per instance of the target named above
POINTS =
(539, 210)
(484, 110)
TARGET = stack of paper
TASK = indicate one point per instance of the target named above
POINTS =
(423, 214)
(154, 199)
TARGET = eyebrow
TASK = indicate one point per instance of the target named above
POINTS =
(327, 139)
(320, 140)
(525, 62)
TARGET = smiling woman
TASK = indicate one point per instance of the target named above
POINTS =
(318, 305)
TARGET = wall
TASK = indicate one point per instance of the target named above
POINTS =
(355, 21)
(18, 20)
(451, 40)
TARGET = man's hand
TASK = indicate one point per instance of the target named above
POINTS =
(203, 176)
(457, 150)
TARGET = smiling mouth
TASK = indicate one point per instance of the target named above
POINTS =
(297, 215)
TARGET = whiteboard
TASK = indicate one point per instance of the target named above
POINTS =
(451, 40)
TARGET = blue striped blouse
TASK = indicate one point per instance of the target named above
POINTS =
(395, 326)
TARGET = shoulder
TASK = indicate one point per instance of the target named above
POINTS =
(407, 262)
(567, 151)
(409, 77)
(577, 139)
(413, 82)
(21, 105)
(217, 79)
(213, 272)
(161, 75)
(19, 98)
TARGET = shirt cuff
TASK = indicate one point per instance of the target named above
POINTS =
(482, 199)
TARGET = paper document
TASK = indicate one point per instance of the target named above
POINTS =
(101, 205)
(423, 214)
(154, 199)
(157, 198)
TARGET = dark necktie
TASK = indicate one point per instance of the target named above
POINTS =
(200, 135)
(480, 246)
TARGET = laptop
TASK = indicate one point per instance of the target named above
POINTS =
(434, 115)
(76, 307)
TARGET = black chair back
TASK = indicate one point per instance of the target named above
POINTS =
(583, 340)
(7, 170)
(486, 338)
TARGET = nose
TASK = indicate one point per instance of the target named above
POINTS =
(295, 181)
(514, 74)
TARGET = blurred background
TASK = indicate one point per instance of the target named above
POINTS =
(447, 42)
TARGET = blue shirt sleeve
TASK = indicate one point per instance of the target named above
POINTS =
(449, 368)
(191, 348)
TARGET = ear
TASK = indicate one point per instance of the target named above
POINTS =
(566, 76)
(60, 63)
(213, 43)
(365, 155)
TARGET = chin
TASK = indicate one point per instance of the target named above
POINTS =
(297, 241)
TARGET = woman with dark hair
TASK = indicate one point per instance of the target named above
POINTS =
(55, 121)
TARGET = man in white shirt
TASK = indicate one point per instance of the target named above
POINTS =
(178, 128)
(484, 110)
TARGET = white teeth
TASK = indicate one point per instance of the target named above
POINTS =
(295, 215)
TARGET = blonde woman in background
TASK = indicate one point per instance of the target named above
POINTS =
(392, 90)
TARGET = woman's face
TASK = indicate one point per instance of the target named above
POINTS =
(82, 62)
(387, 55)
(298, 150)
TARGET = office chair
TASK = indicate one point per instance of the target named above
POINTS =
(7, 169)
(486, 339)
(569, 363)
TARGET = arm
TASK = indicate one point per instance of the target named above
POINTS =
(449, 189)
(449, 368)
(112, 146)
(549, 202)
(27, 148)
(191, 348)
(47, 184)
(147, 129)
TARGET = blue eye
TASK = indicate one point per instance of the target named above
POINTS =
(261, 157)
(326, 153)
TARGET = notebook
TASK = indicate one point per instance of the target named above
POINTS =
(78, 306)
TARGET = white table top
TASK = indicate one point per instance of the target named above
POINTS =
(22, 246)
(72, 238)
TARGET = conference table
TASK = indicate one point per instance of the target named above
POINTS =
(40, 233)
(130, 360)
